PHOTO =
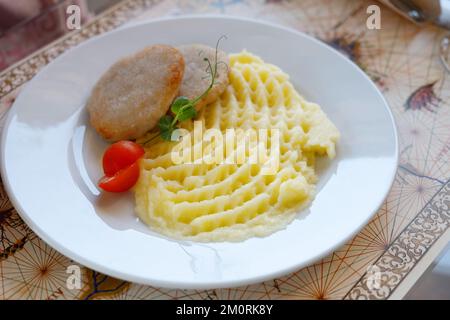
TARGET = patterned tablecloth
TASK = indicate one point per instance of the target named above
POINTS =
(402, 60)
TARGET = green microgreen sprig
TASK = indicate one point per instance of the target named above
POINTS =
(183, 108)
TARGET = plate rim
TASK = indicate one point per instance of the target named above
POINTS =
(217, 284)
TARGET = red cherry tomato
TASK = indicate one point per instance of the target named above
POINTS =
(122, 180)
(120, 166)
(121, 155)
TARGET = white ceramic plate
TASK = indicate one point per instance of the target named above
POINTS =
(51, 161)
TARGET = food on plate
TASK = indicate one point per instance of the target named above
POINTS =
(134, 93)
(121, 167)
(196, 78)
(123, 180)
(184, 108)
(225, 200)
(231, 202)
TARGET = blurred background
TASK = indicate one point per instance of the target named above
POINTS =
(27, 25)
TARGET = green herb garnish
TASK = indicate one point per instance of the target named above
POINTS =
(183, 108)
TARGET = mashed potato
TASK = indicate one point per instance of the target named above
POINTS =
(232, 202)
